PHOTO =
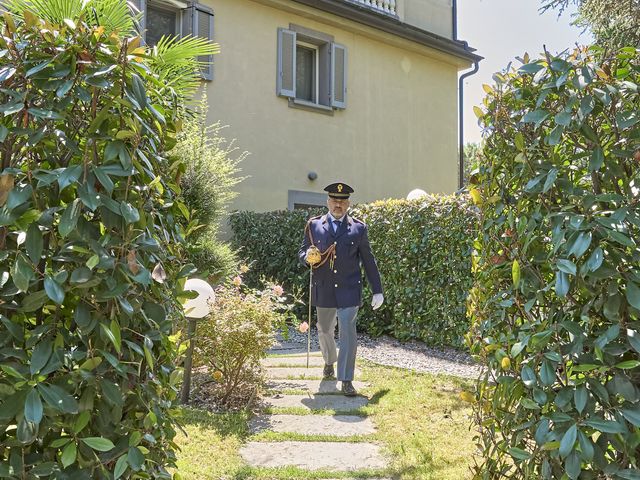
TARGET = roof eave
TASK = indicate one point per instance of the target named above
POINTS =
(393, 25)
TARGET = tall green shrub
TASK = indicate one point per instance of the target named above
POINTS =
(207, 184)
(423, 249)
(90, 241)
(555, 306)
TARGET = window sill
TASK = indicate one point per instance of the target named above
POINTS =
(309, 106)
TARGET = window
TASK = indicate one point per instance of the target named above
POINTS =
(175, 17)
(307, 72)
(161, 22)
(301, 200)
(311, 69)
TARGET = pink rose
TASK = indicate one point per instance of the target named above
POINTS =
(278, 290)
(237, 280)
(303, 327)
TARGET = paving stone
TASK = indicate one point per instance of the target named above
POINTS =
(340, 425)
(337, 456)
(292, 360)
(338, 403)
(312, 386)
(297, 372)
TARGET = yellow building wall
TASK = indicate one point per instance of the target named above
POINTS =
(397, 133)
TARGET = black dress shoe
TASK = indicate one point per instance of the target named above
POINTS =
(328, 373)
(348, 390)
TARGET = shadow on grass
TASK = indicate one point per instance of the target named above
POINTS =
(377, 396)
(224, 424)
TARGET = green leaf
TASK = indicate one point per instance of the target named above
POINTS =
(580, 397)
(632, 415)
(69, 454)
(581, 244)
(139, 92)
(93, 261)
(528, 376)
(563, 118)
(121, 467)
(562, 284)
(586, 446)
(568, 441)
(597, 159)
(535, 116)
(112, 392)
(58, 398)
(69, 219)
(81, 421)
(628, 474)
(605, 426)
(135, 458)
(40, 356)
(628, 364)
(41, 66)
(547, 373)
(54, 291)
(33, 407)
(567, 266)
(34, 243)
(69, 175)
(519, 453)
(104, 179)
(515, 273)
(110, 335)
(100, 444)
(22, 273)
(634, 339)
(595, 260)
(633, 295)
(80, 275)
(91, 363)
(530, 68)
(130, 213)
(573, 465)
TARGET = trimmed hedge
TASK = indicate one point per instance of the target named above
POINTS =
(423, 249)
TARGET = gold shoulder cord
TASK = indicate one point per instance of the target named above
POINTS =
(328, 254)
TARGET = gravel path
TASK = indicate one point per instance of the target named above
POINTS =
(409, 355)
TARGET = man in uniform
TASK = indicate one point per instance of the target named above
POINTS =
(336, 245)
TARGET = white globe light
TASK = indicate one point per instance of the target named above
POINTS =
(198, 307)
(415, 194)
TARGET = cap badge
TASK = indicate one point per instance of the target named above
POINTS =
(339, 187)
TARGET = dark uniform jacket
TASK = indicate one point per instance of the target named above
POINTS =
(340, 285)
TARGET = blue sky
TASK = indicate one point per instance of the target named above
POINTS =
(500, 30)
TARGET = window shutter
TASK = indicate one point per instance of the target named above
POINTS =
(197, 21)
(338, 75)
(139, 10)
(286, 79)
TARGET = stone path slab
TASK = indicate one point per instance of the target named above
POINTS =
(297, 372)
(338, 403)
(292, 360)
(340, 425)
(335, 456)
(312, 386)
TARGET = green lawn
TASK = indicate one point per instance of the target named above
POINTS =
(420, 420)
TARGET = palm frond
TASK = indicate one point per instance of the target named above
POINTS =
(115, 15)
(175, 60)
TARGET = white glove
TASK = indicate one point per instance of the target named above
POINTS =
(376, 301)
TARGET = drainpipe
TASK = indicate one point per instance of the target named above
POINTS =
(476, 66)
(474, 70)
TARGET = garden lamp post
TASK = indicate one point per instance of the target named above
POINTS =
(194, 309)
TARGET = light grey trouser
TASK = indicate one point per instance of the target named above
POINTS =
(327, 319)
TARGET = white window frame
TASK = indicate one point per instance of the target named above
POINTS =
(316, 71)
